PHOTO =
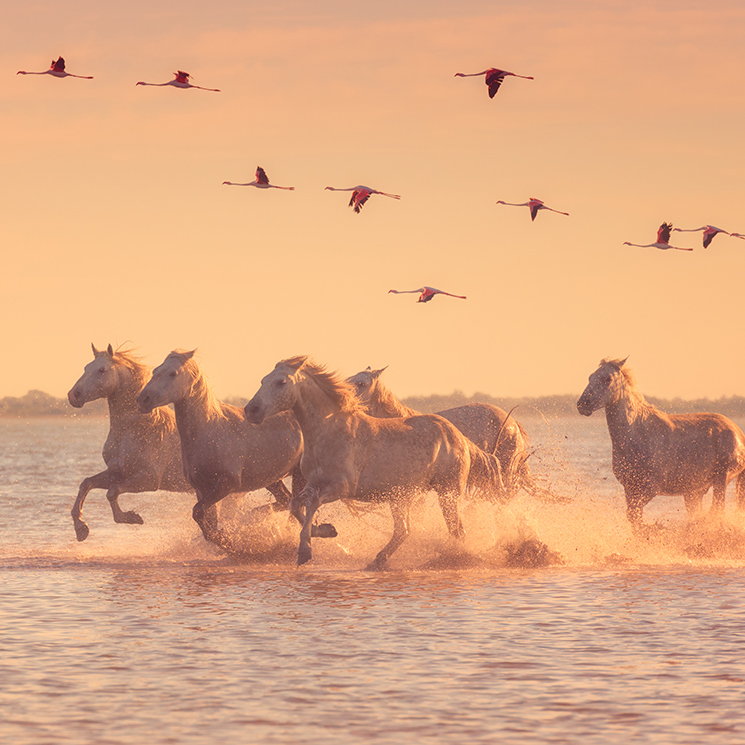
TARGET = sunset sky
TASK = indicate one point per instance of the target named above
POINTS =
(116, 226)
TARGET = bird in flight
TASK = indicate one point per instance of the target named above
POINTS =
(493, 78)
(709, 232)
(663, 240)
(360, 195)
(427, 293)
(261, 181)
(181, 80)
(57, 68)
(534, 205)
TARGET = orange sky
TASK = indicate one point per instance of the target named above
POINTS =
(116, 226)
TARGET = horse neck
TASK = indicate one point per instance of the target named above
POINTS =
(385, 405)
(122, 401)
(626, 414)
(312, 408)
(196, 409)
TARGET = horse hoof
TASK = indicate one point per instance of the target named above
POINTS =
(81, 530)
(324, 530)
(130, 518)
(375, 566)
(304, 555)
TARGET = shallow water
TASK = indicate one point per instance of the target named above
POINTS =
(146, 634)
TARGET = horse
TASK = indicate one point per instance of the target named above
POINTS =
(351, 455)
(142, 452)
(492, 429)
(655, 453)
(223, 453)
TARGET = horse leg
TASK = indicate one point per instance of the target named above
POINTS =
(281, 495)
(312, 498)
(101, 480)
(297, 503)
(635, 502)
(717, 499)
(400, 513)
(741, 490)
(694, 502)
(205, 516)
(449, 505)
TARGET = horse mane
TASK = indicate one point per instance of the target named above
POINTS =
(200, 387)
(331, 384)
(126, 357)
(632, 396)
(387, 402)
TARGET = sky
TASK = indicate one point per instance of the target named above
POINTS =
(117, 229)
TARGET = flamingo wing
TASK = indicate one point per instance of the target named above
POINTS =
(663, 234)
(535, 205)
(182, 77)
(358, 200)
(494, 80)
(58, 65)
(261, 176)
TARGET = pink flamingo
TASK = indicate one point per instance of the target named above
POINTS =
(261, 182)
(709, 232)
(493, 79)
(57, 68)
(662, 242)
(535, 205)
(360, 195)
(181, 81)
(427, 293)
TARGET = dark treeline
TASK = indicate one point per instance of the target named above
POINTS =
(38, 403)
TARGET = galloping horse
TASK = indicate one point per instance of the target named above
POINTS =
(222, 452)
(350, 455)
(656, 453)
(142, 451)
(489, 427)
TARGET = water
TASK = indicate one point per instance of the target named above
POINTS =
(146, 634)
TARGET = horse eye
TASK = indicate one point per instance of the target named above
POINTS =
(173, 373)
(282, 382)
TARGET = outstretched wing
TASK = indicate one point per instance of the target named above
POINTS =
(58, 65)
(261, 176)
(663, 234)
(494, 79)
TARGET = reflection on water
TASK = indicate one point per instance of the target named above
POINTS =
(145, 634)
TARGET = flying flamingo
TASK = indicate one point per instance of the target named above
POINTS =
(181, 81)
(261, 182)
(709, 232)
(535, 205)
(494, 78)
(360, 195)
(662, 242)
(427, 293)
(57, 68)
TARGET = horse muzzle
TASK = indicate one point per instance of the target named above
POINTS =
(254, 412)
(585, 407)
(75, 398)
(145, 402)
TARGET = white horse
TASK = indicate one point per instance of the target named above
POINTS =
(142, 451)
(657, 453)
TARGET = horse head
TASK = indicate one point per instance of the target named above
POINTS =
(365, 382)
(100, 379)
(278, 391)
(170, 382)
(603, 387)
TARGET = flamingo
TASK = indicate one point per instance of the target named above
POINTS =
(493, 79)
(535, 205)
(662, 242)
(57, 68)
(181, 81)
(261, 182)
(360, 195)
(427, 293)
(709, 232)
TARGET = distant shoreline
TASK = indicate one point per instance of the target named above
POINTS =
(40, 404)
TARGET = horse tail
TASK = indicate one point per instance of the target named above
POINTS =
(485, 476)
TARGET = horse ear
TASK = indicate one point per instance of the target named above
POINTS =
(622, 362)
(189, 355)
(377, 373)
(95, 351)
(294, 363)
(110, 350)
